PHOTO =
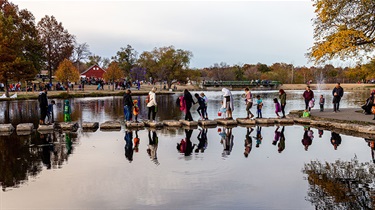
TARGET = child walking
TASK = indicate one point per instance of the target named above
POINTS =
(322, 100)
(67, 111)
(201, 107)
(259, 106)
(277, 107)
(205, 114)
(50, 112)
(135, 110)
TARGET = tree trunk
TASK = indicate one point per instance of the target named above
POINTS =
(6, 88)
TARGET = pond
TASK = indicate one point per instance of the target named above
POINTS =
(222, 168)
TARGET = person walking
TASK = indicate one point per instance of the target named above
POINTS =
(337, 93)
(282, 97)
(201, 107)
(249, 103)
(128, 105)
(228, 102)
(188, 103)
(152, 103)
(308, 95)
(205, 108)
(43, 105)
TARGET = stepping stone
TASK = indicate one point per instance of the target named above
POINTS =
(226, 122)
(134, 124)
(172, 123)
(189, 123)
(24, 133)
(285, 121)
(90, 125)
(111, 126)
(153, 124)
(6, 128)
(46, 127)
(245, 121)
(265, 120)
(69, 126)
(24, 127)
(207, 123)
(305, 121)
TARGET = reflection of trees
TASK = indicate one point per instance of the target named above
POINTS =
(341, 185)
(22, 157)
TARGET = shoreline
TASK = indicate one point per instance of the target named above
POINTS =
(90, 91)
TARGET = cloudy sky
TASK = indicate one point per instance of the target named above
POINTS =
(234, 32)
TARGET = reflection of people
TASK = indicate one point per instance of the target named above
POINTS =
(136, 141)
(281, 145)
(46, 150)
(320, 132)
(186, 146)
(307, 140)
(202, 138)
(129, 145)
(371, 144)
(258, 137)
(153, 142)
(335, 140)
(228, 142)
(68, 143)
(248, 142)
(277, 136)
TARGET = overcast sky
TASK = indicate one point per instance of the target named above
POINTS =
(214, 31)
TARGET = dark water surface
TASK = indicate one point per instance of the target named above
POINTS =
(106, 170)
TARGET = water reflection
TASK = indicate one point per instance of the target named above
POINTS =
(281, 145)
(227, 141)
(335, 139)
(340, 185)
(248, 142)
(202, 138)
(307, 137)
(258, 137)
(153, 142)
(22, 157)
(129, 145)
(186, 146)
(371, 144)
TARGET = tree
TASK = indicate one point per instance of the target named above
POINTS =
(67, 72)
(58, 43)
(96, 59)
(113, 73)
(166, 63)
(81, 53)
(20, 48)
(126, 58)
(343, 29)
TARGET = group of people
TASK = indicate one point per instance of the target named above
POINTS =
(308, 95)
(131, 107)
(46, 109)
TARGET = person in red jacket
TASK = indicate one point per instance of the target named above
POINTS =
(308, 95)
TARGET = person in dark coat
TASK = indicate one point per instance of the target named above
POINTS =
(308, 95)
(337, 93)
(128, 105)
(43, 105)
(189, 103)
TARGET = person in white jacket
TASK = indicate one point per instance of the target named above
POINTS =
(152, 103)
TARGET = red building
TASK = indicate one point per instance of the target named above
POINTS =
(93, 71)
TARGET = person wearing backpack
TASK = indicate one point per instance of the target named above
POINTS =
(151, 104)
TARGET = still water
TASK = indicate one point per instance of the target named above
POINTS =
(108, 170)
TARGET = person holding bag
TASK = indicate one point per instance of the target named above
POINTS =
(152, 105)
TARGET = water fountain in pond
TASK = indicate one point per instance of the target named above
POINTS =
(320, 83)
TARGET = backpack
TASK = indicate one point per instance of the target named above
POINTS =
(148, 99)
(182, 103)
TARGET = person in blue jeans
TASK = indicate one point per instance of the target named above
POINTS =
(128, 105)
